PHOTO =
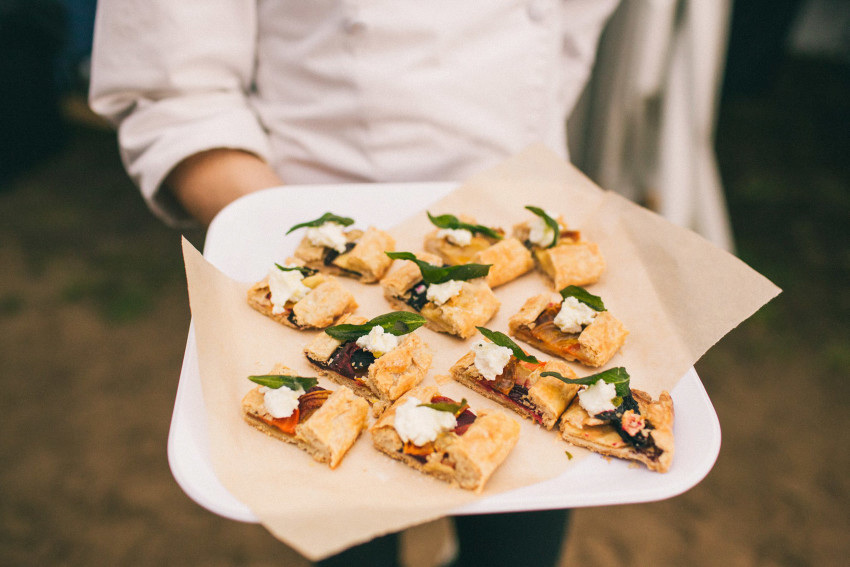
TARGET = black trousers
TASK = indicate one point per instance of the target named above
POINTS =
(518, 539)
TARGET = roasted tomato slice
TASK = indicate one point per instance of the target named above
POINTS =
(420, 453)
(285, 424)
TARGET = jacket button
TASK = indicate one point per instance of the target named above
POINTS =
(537, 10)
(353, 25)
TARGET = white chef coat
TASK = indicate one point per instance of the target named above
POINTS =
(331, 91)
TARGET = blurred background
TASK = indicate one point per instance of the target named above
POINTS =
(94, 313)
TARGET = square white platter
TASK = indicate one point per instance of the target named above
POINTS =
(241, 241)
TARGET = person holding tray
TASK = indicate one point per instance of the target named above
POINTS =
(216, 100)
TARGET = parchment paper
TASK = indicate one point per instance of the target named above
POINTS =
(674, 291)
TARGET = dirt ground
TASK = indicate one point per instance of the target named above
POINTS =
(93, 322)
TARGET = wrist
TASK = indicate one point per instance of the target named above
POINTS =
(206, 182)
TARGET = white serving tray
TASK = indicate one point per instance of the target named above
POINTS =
(258, 222)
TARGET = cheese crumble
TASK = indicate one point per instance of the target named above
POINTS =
(491, 359)
(420, 424)
(458, 236)
(441, 293)
(540, 233)
(597, 398)
(574, 315)
(285, 286)
(329, 234)
(378, 341)
(280, 402)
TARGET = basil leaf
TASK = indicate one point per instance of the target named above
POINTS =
(432, 274)
(550, 222)
(581, 294)
(465, 272)
(617, 376)
(455, 409)
(502, 340)
(327, 217)
(396, 323)
(454, 223)
(275, 381)
(304, 270)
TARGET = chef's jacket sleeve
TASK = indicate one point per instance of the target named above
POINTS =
(174, 77)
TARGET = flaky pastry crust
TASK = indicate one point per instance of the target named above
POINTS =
(467, 460)
(365, 261)
(547, 396)
(455, 254)
(327, 434)
(572, 261)
(580, 429)
(323, 306)
(388, 377)
(399, 370)
(509, 260)
(405, 274)
(473, 306)
(594, 346)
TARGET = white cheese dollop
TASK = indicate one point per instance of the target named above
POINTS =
(280, 402)
(597, 398)
(574, 315)
(328, 234)
(459, 236)
(420, 424)
(539, 232)
(378, 341)
(440, 293)
(490, 359)
(286, 285)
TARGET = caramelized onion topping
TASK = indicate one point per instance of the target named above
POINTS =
(546, 331)
(311, 401)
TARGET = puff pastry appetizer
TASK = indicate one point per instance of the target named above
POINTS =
(445, 439)
(453, 299)
(498, 369)
(572, 324)
(610, 418)
(300, 297)
(460, 241)
(296, 410)
(559, 252)
(379, 359)
(354, 253)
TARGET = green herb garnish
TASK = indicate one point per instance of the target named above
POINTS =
(617, 376)
(581, 294)
(502, 340)
(327, 217)
(550, 222)
(569, 455)
(453, 408)
(304, 270)
(396, 323)
(454, 223)
(275, 381)
(432, 274)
